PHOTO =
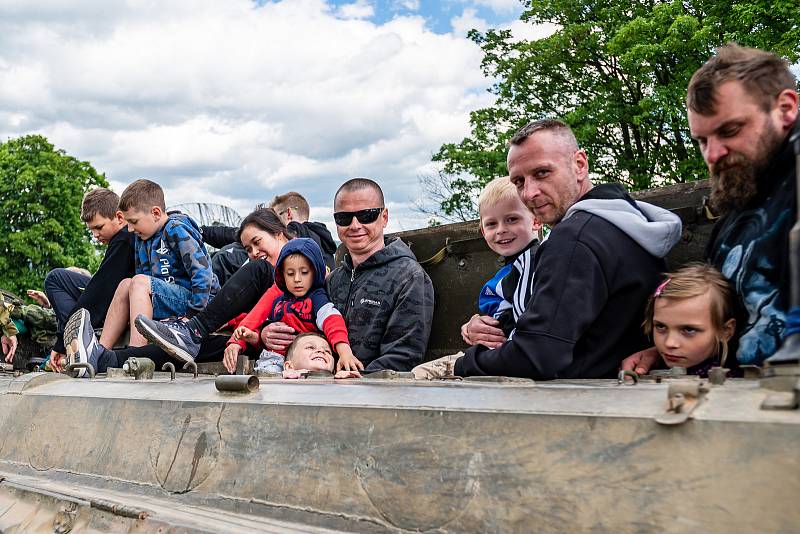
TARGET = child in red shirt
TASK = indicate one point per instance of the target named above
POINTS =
(297, 298)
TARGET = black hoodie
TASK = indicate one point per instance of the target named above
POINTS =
(387, 303)
(593, 276)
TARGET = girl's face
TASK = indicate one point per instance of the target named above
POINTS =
(262, 245)
(683, 332)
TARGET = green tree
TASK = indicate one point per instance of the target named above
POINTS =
(616, 71)
(41, 189)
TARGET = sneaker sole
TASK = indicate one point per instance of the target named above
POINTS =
(153, 337)
(72, 342)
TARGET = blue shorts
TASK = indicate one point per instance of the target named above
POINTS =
(169, 300)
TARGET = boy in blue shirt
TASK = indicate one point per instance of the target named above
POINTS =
(510, 230)
(173, 275)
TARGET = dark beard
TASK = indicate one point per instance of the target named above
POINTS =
(735, 179)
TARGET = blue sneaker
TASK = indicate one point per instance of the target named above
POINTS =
(175, 337)
(79, 340)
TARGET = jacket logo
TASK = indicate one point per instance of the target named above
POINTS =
(163, 249)
(370, 302)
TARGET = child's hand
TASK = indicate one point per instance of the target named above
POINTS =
(347, 360)
(231, 357)
(57, 361)
(347, 374)
(40, 298)
(245, 334)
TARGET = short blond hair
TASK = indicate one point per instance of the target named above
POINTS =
(496, 191)
(693, 280)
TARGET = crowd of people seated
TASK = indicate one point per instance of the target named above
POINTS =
(582, 302)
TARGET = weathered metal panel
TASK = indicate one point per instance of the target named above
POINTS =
(396, 455)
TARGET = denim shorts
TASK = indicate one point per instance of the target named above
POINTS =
(169, 300)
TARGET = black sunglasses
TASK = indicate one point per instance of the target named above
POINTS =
(367, 216)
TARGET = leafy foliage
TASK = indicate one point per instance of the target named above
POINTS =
(616, 71)
(41, 189)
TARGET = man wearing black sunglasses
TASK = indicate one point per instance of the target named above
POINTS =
(385, 295)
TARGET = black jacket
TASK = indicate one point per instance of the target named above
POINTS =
(387, 303)
(117, 264)
(219, 236)
(593, 276)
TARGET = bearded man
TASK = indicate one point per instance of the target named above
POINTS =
(742, 109)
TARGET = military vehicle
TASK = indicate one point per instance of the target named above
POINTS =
(179, 453)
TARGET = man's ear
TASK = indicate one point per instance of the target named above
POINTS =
(786, 105)
(581, 162)
(385, 217)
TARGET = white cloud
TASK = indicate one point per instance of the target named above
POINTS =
(468, 20)
(360, 9)
(410, 5)
(231, 103)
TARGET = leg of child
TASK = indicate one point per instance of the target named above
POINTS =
(117, 317)
(141, 302)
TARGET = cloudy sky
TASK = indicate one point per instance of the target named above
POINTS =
(234, 101)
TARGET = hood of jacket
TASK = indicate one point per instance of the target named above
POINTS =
(395, 248)
(315, 229)
(308, 248)
(655, 229)
(191, 225)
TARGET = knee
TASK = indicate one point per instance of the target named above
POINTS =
(140, 284)
(53, 279)
(123, 287)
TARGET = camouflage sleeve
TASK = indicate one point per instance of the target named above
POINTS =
(6, 324)
(196, 262)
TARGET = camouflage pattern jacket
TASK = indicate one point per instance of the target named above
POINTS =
(387, 303)
(177, 255)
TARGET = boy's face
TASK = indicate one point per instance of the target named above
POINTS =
(104, 229)
(298, 274)
(144, 223)
(312, 353)
(508, 226)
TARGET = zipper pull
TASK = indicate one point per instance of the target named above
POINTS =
(352, 275)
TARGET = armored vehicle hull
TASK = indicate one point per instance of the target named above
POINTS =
(392, 455)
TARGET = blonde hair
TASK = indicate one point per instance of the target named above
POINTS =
(693, 280)
(496, 191)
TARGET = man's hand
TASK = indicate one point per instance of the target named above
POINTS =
(9, 347)
(231, 357)
(243, 333)
(277, 336)
(40, 298)
(347, 360)
(484, 330)
(640, 362)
